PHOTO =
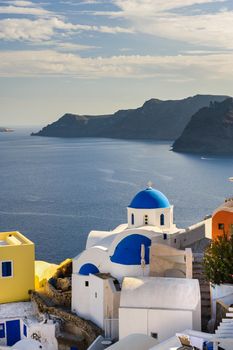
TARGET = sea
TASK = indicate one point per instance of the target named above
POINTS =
(56, 190)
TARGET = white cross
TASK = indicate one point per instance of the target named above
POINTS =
(149, 184)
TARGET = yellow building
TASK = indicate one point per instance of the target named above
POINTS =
(17, 271)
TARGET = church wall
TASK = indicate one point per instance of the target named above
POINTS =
(97, 300)
(153, 217)
(96, 256)
(81, 295)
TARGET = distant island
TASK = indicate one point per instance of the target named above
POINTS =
(155, 120)
(210, 131)
(6, 129)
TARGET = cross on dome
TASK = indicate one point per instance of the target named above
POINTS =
(149, 184)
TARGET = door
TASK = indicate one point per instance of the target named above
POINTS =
(12, 332)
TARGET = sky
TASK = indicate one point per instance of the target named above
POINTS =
(98, 56)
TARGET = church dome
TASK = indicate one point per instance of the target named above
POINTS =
(149, 199)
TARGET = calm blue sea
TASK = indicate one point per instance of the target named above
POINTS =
(56, 190)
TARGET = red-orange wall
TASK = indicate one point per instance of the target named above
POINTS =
(221, 217)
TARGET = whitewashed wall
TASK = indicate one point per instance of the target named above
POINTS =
(153, 217)
(80, 295)
(46, 333)
(163, 322)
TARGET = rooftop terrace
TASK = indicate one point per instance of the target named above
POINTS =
(12, 239)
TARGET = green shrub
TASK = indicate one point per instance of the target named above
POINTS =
(218, 260)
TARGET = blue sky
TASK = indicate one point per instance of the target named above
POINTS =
(97, 56)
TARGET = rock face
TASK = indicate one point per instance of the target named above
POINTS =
(156, 119)
(210, 131)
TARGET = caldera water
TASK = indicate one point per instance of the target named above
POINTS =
(56, 190)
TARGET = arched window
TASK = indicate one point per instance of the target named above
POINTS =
(162, 220)
(146, 220)
(132, 219)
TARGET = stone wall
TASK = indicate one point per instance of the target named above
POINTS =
(88, 330)
(58, 296)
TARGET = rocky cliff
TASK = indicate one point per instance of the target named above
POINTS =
(210, 131)
(156, 119)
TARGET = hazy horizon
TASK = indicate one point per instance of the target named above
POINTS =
(99, 56)
(41, 124)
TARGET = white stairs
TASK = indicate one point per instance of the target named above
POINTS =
(224, 333)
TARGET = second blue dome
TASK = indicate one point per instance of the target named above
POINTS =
(149, 199)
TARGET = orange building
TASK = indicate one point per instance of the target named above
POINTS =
(222, 219)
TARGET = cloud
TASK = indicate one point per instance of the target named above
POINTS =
(44, 29)
(156, 18)
(30, 30)
(70, 47)
(150, 7)
(20, 3)
(18, 10)
(178, 68)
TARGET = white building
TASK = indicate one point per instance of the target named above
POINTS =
(143, 342)
(118, 252)
(97, 298)
(12, 328)
(19, 321)
(158, 306)
(125, 252)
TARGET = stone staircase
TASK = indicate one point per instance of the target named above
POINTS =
(224, 332)
(205, 289)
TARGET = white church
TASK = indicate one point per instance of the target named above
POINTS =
(118, 262)
(118, 252)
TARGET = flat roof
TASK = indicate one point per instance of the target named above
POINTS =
(13, 238)
(16, 310)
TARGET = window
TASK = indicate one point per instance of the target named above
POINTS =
(95, 294)
(2, 330)
(25, 330)
(154, 335)
(162, 220)
(7, 269)
(132, 219)
(86, 284)
(221, 226)
(165, 236)
(146, 219)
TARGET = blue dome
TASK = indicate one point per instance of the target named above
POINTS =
(128, 250)
(88, 268)
(149, 199)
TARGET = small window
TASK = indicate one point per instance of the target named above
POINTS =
(175, 240)
(154, 335)
(165, 236)
(6, 269)
(221, 226)
(2, 330)
(86, 283)
(146, 219)
(95, 294)
(132, 219)
(162, 220)
(25, 331)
